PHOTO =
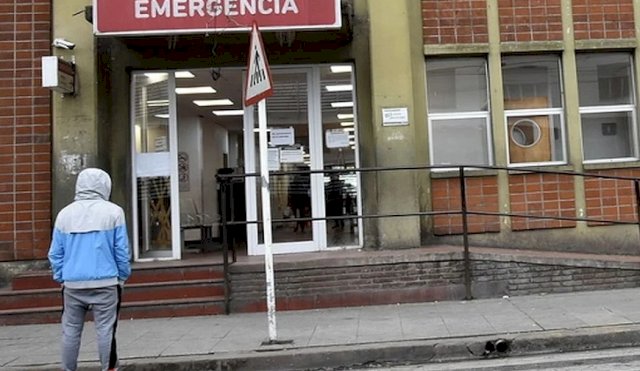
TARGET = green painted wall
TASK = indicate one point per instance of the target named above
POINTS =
(75, 139)
(395, 77)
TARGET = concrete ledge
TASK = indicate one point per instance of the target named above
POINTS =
(351, 258)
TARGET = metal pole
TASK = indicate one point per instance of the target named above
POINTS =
(225, 244)
(636, 184)
(266, 220)
(465, 236)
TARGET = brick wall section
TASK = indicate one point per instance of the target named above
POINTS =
(517, 278)
(25, 131)
(611, 199)
(351, 285)
(530, 20)
(603, 19)
(420, 281)
(549, 195)
(482, 196)
(454, 21)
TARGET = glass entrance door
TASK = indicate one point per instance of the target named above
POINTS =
(294, 147)
(156, 226)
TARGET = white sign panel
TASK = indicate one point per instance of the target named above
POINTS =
(258, 84)
(282, 136)
(291, 155)
(58, 74)
(336, 138)
(395, 116)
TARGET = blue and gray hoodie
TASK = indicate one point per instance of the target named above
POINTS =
(89, 247)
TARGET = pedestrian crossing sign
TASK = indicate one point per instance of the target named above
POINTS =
(258, 82)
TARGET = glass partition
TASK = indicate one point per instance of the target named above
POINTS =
(153, 142)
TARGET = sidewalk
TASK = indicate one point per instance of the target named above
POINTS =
(349, 336)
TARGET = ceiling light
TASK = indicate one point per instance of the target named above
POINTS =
(184, 75)
(341, 104)
(346, 123)
(156, 75)
(162, 116)
(158, 103)
(345, 116)
(345, 87)
(196, 90)
(340, 69)
(213, 102)
(229, 112)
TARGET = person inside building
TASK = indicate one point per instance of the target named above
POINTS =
(335, 199)
(89, 256)
(299, 198)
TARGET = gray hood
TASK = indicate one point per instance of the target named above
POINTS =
(93, 184)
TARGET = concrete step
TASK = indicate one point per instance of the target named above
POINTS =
(203, 288)
(129, 310)
(143, 274)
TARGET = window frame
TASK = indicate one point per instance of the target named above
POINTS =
(457, 115)
(532, 112)
(614, 108)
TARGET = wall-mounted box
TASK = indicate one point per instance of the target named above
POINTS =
(58, 75)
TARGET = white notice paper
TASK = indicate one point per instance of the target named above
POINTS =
(336, 138)
(291, 155)
(281, 136)
(395, 116)
(273, 155)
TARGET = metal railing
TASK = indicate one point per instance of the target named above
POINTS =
(460, 172)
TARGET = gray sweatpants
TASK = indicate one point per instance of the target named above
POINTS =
(104, 302)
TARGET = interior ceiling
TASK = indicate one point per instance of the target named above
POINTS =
(288, 105)
(227, 83)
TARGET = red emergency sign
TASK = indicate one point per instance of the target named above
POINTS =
(140, 17)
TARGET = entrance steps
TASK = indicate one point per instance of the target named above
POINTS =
(160, 291)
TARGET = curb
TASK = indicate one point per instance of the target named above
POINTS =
(387, 353)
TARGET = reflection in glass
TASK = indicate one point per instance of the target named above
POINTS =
(151, 115)
(532, 78)
(449, 136)
(458, 111)
(604, 79)
(339, 133)
(457, 85)
(290, 194)
(151, 137)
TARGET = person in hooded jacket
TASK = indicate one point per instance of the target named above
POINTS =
(89, 256)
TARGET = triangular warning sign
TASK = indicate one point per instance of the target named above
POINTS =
(258, 84)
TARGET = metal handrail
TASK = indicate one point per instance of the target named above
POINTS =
(225, 180)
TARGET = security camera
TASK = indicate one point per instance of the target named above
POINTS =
(63, 44)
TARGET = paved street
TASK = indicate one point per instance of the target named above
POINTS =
(627, 359)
